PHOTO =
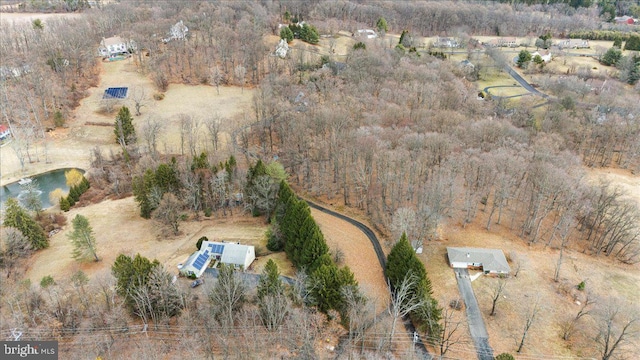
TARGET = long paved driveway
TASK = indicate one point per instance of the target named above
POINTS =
(474, 317)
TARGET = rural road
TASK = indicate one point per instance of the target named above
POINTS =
(382, 259)
(514, 74)
(474, 317)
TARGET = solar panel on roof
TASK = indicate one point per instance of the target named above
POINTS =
(115, 93)
(217, 249)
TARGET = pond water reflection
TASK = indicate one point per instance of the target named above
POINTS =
(45, 182)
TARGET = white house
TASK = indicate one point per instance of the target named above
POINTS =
(367, 33)
(444, 42)
(573, 44)
(178, 31)
(545, 55)
(491, 261)
(240, 256)
(114, 46)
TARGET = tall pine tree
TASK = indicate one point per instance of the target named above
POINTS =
(15, 216)
(124, 131)
(83, 239)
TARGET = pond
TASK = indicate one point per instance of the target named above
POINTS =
(45, 183)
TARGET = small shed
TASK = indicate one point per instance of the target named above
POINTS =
(491, 261)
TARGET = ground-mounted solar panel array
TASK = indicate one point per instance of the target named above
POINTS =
(115, 93)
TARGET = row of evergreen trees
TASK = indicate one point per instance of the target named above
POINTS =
(66, 202)
(295, 231)
(304, 32)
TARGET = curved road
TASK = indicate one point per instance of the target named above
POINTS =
(514, 74)
(382, 259)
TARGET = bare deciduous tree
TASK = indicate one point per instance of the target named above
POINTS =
(403, 301)
(228, 294)
(568, 326)
(449, 335)
(618, 325)
(213, 127)
(168, 212)
(151, 130)
(138, 97)
(531, 316)
(496, 293)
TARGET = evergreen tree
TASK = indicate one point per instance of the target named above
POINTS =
(632, 43)
(403, 260)
(74, 194)
(524, 57)
(270, 283)
(83, 239)
(286, 34)
(309, 34)
(611, 57)
(286, 196)
(64, 204)
(291, 227)
(86, 183)
(131, 274)
(381, 25)
(405, 39)
(142, 187)
(124, 131)
(326, 286)
(15, 216)
(166, 178)
(312, 243)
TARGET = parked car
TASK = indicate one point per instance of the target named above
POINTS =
(196, 283)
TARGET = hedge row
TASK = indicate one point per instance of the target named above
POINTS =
(66, 202)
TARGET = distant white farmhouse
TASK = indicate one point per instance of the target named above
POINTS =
(444, 42)
(282, 49)
(367, 33)
(491, 261)
(240, 256)
(114, 46)
(178, 31)
(573, 44)
(545, 55)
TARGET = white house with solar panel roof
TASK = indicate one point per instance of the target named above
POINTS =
(240, 256)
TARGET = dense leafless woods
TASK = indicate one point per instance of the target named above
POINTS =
(401, 137)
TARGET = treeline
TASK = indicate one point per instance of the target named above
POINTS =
(66, 202)
(609, 35)
(295, 231)
(428, 152)
(429, 18)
